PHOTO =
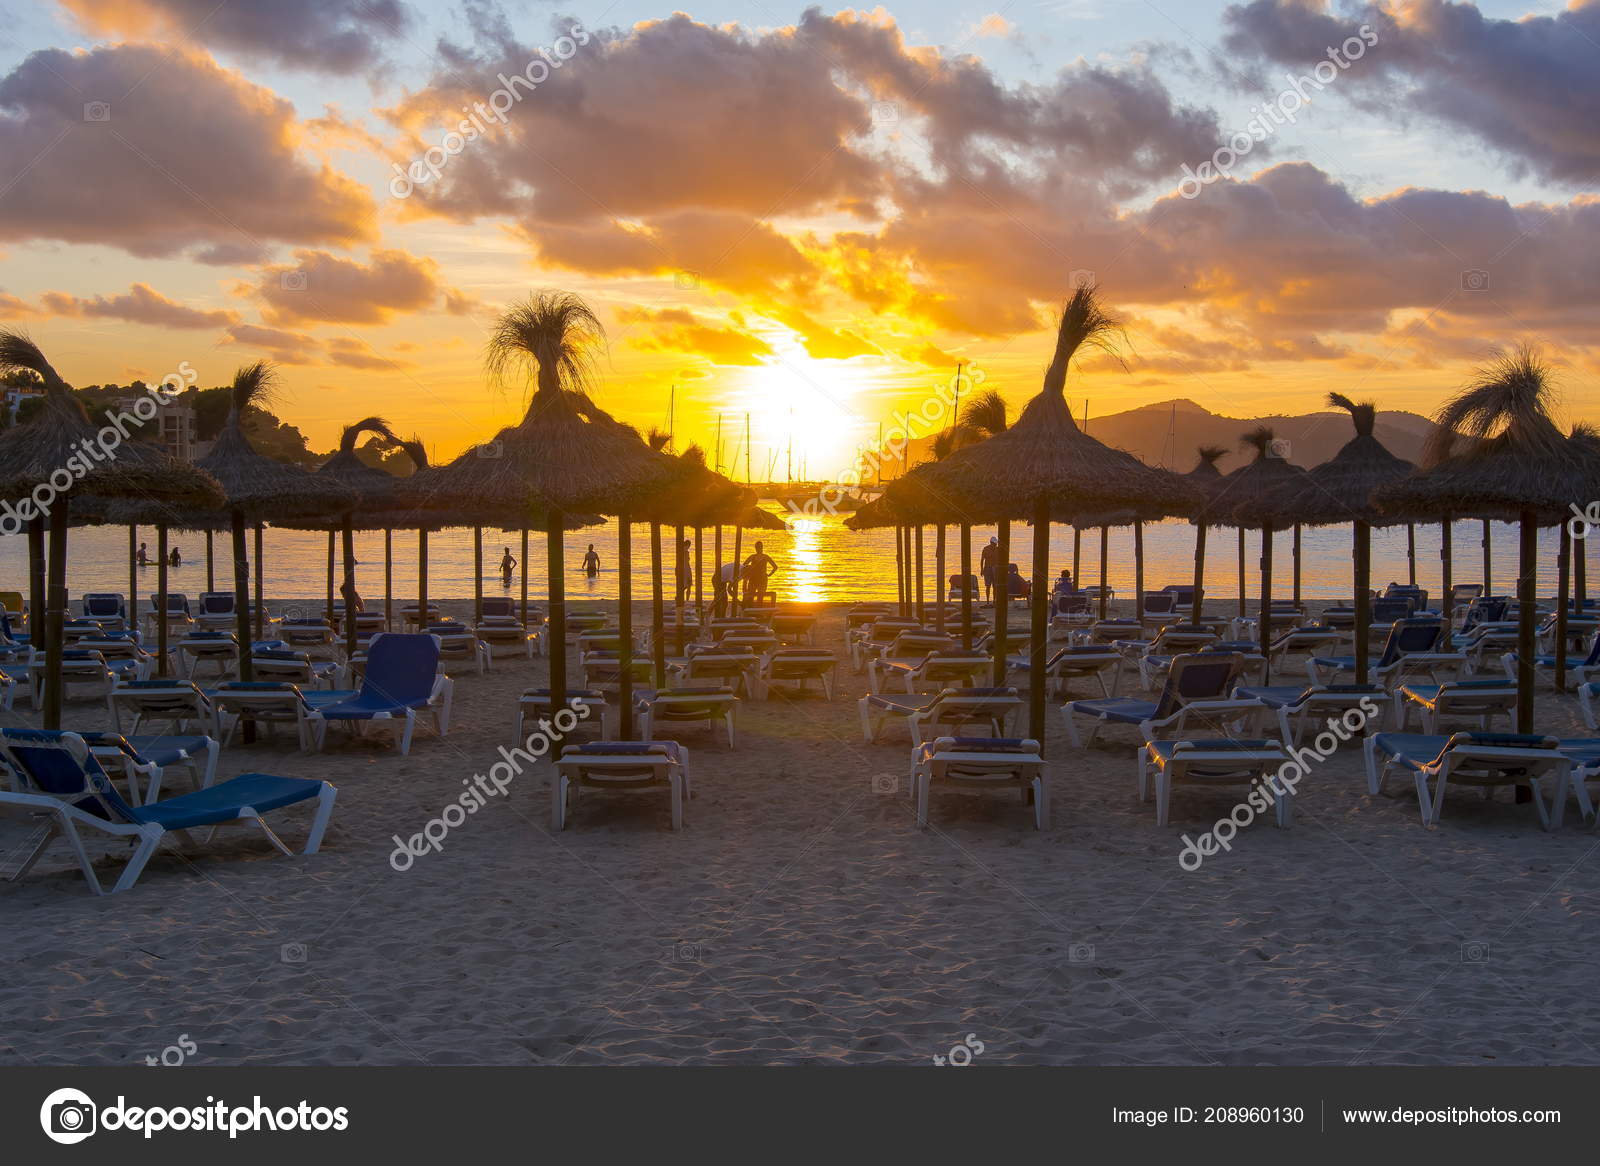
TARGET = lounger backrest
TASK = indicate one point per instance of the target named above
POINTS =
(498, 605)
(103, 604)
(55, 764)
(401, 667)
(1408, 636)
(1198, 676)
(1159, 602)
(217, 603)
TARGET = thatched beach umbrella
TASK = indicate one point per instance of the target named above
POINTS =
(1040, 461)
(1260, 495)
(57, 454)
(566, 454)
(259, 488)
(1340, 490)
(1495, 453)
(1204, 479)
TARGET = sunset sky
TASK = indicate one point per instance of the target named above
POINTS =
(806, 214)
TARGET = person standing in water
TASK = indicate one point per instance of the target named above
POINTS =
(175, 559)
(591, 562)
(508, 564)
(685, 570)
(143, 557)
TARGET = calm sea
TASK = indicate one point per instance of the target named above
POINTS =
(818, 559)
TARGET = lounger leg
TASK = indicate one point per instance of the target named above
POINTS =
(1537, 789)
(558, 801)
(148, 841)
(675, 784)
(406, 732)
(1163, 795)
(1144, 775)
(1072, 728)
(1041, 802)
(319, 824)
(922, 779)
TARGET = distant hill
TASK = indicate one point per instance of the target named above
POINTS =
(1168, 432)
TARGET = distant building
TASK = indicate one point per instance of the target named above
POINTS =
(177, 429)
(14, 397)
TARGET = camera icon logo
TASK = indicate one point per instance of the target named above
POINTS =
(96, 111)
(1080, 953)
(490, 449)
(292, 953)
(1280, 448)
(1474, 953)
(1081, 277)
(686, 280)
(884, 113)
(1474, 279)
(885, 783)
(292, 280)
(68, 1116)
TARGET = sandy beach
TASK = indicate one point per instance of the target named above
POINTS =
(802, 917)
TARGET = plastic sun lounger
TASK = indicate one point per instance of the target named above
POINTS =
(1212, 761)
(270, 703)
(1579, 671)
(534, 705)
(63, 782)
(1299, 708)
(1078, 662)
(1413, 647)
(1482, 699)
(150, 757)
(1480, 760)
(981, 763)
(80, 668)
(1203, 677)
(727, 666)
(402, 680)
(935, 670)
(217, 648)
(954, 708)
(506, 638)
(799, 666)
(107, 608)
(292, 667)
(457, 645)
(179, 703)
(687, 704)
(620, 766)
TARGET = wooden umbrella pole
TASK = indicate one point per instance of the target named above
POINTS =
(1563, 600)
(241, 594)
(1411, 553)
(477, 575)
(555, 555)
(625, 624)
(922, 608)
(1363, 599)
(1138, 571)
(699, 573)
(716, 570)
(523, 564)
(677, 591)
(161, 600)
(1198, 607)
(133, 576)
(349, 540)
(55, 611)
(36, 585)
(899, 573)
(658, 623)
(1077, 557)
(1002, 599)
(1241, 572)
(738, 564)
(1105, 554)
(1297, 564)
(388, 579)
(938, 579)
(211, 564)
(422, 578)
(1266, 602)
(261, 595)
(1041, 615)
(1580, 580)
(1446, 571)
(1488, 561)
(1527, 568)
(966, 587)
(332, 554)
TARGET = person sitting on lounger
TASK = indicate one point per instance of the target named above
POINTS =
(1066, 585)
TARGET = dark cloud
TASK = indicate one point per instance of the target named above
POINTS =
(1528, 88)
(335, 36)
(158, 153)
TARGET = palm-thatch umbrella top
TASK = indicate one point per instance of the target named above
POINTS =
(566, 453)
(1495, 451)
(1263, 492)
(60, 440)
(258, 485)
(370, 484)
(1341, 488)
(1044, 454)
